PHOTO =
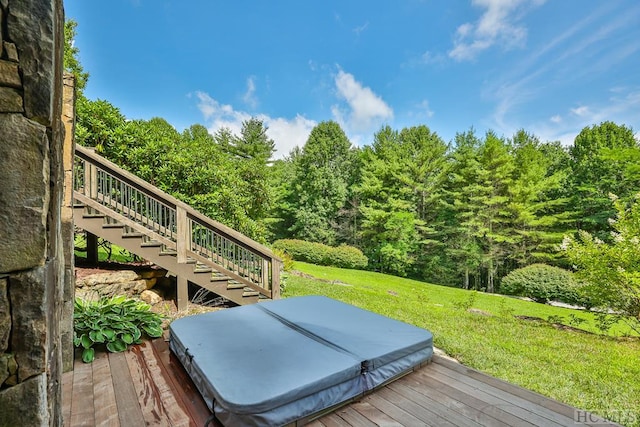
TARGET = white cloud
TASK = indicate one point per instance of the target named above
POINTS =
(499, 24)
(286, 133)
(364, 109)
(424, 107)
(556, 119)
(361, 28)
(432, 58)
(621, 107)
(249, 96)
(581, 111)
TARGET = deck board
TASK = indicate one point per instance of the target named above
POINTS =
(354, 418)
(67, 390)
(424, 414)
(434, 406)
(129, 411)
(82, 409)
(522, 415)
(185, 392)
(174, 412)
(546, 416)
(152, 409)
(466, 405)
(147, 385)
(374, 414)
(106, 409)
(395, 412)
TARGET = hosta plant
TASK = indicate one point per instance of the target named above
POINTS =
(114, 322)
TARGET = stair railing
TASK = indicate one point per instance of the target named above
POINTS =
(101, 184)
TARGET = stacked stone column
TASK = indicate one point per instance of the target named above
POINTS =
(32, 262)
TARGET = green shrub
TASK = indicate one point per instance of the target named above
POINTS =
(542, 283)
(342, 256)
(287, 260)
(113, 322)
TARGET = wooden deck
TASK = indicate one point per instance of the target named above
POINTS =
(147, 386)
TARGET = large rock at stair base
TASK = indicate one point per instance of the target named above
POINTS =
(24, 199)
(151, 297)
(107, 278)
(99, 285)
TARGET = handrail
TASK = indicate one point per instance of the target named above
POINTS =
(193, 234)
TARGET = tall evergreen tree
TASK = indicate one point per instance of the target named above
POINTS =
(536, 204)
(321, 183)
(602, 161)
(401, 177)
(460, 230)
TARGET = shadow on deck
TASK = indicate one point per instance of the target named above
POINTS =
(147, 385)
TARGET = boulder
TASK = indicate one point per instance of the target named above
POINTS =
(107, 278)
(125, 282)
(151, 297)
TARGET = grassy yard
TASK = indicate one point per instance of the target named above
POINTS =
(584, 369)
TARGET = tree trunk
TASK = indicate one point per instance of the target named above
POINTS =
(490, 274)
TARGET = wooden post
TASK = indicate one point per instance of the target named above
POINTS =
(182, 292)
(90, 180)
(275, 279)
(183, 238)
(265, 274)
(92, 249)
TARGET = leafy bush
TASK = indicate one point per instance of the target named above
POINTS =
(114, 322)
(287, 261)
(342, 256)
(542, 283)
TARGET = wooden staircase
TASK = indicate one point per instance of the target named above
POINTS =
(117, 206)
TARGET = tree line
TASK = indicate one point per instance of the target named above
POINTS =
(461, 213)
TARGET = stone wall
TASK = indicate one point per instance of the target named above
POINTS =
(31, 251)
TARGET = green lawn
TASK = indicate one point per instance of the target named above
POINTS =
(581, 368)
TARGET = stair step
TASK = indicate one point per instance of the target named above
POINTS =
(168, 252)
(92, 215)
(202, 269)
(235, 285)
(191, 261)
(131, 235)
(221, 279)
(112, 225)
(250, 293)
(151, 244)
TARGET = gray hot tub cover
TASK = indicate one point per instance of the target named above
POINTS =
(273, 363)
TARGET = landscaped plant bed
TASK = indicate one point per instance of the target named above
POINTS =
(112, 324)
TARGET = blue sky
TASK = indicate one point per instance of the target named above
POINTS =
(551, 67)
